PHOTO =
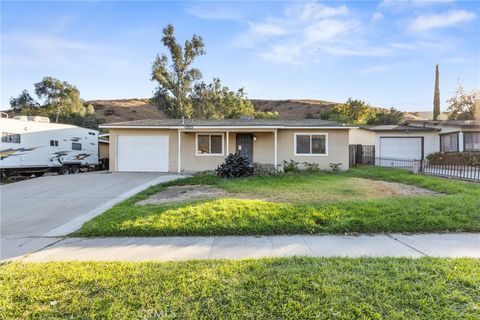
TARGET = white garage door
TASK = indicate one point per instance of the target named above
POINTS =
(142, 153)
(401, 148)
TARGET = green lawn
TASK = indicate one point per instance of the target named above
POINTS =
(339, 208)
(287, 288)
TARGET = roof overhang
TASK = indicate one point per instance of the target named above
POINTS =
(227, 127)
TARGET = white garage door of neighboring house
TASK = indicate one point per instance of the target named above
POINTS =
(142, 153)
(401, 148)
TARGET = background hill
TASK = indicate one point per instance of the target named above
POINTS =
(136, 109)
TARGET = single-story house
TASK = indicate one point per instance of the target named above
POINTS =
(415, 139)
(177, 145)
(454, 135)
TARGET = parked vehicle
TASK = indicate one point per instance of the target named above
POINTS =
(33, 145)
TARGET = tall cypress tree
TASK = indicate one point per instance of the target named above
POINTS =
(436, 96)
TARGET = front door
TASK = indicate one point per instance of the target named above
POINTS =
(245, 145)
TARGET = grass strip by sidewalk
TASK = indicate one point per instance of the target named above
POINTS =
(282, 288)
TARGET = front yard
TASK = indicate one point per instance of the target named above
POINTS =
(364, 200)
(293, 288)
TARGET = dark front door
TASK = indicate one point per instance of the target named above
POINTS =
(245, 145)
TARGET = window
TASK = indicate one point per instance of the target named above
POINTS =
(449, 142)
(210, 144)
(471, 141)
(10, 137)
(310, 144)
(76, 146)
(53, 143)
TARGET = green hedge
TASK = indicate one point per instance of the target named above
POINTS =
(462, 158)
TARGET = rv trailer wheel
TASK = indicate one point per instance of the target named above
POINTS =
(64, 170)
(75, 169)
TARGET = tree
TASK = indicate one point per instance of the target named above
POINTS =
(175, 81)
(59, 97)
(267, 115)
(214, 101)
(23, 101)
(436, 95)
(89, 110)
(463, 104)
(391, 116)
(352, 111)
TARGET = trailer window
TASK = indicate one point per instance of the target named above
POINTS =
(76, 146)
(53, 143)
(10, 137)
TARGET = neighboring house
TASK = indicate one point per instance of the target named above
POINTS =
(415, 139)
(454, 135)
(175, 145)
(397, 141)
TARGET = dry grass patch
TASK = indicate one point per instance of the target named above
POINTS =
(346, 189)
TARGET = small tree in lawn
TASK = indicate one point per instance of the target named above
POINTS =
(175, 80)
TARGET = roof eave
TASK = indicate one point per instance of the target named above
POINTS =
(224, 127)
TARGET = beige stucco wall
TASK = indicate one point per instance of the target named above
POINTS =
(337, 148)
(172, 148)
(361, 136)
(263, 148)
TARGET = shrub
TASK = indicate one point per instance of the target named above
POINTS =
(311, 167)
(335, 166)
(235, 166)
(261, 169)
(290, 166)
(461, 158)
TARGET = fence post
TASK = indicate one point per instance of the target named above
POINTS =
(417, 166)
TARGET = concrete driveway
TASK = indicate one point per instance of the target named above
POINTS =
(36, 213)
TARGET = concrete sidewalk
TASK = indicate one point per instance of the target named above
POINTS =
(239, 247)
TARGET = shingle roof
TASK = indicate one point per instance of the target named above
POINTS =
(458, 123)
(226, 123)
(396, 127)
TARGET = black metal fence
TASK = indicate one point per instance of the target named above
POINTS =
(398, 163)
(365, 155)
(454, 171)
(457, 171)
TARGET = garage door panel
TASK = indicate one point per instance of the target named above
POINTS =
(142, 153)
(401, 148)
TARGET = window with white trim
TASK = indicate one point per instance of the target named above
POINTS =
(472, 141)
(449, 142)
(310, 144)
(53, 143)
(209, 144)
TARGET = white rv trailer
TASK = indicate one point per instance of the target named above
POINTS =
(34, 145)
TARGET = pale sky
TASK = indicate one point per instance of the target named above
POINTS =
(381, 52)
